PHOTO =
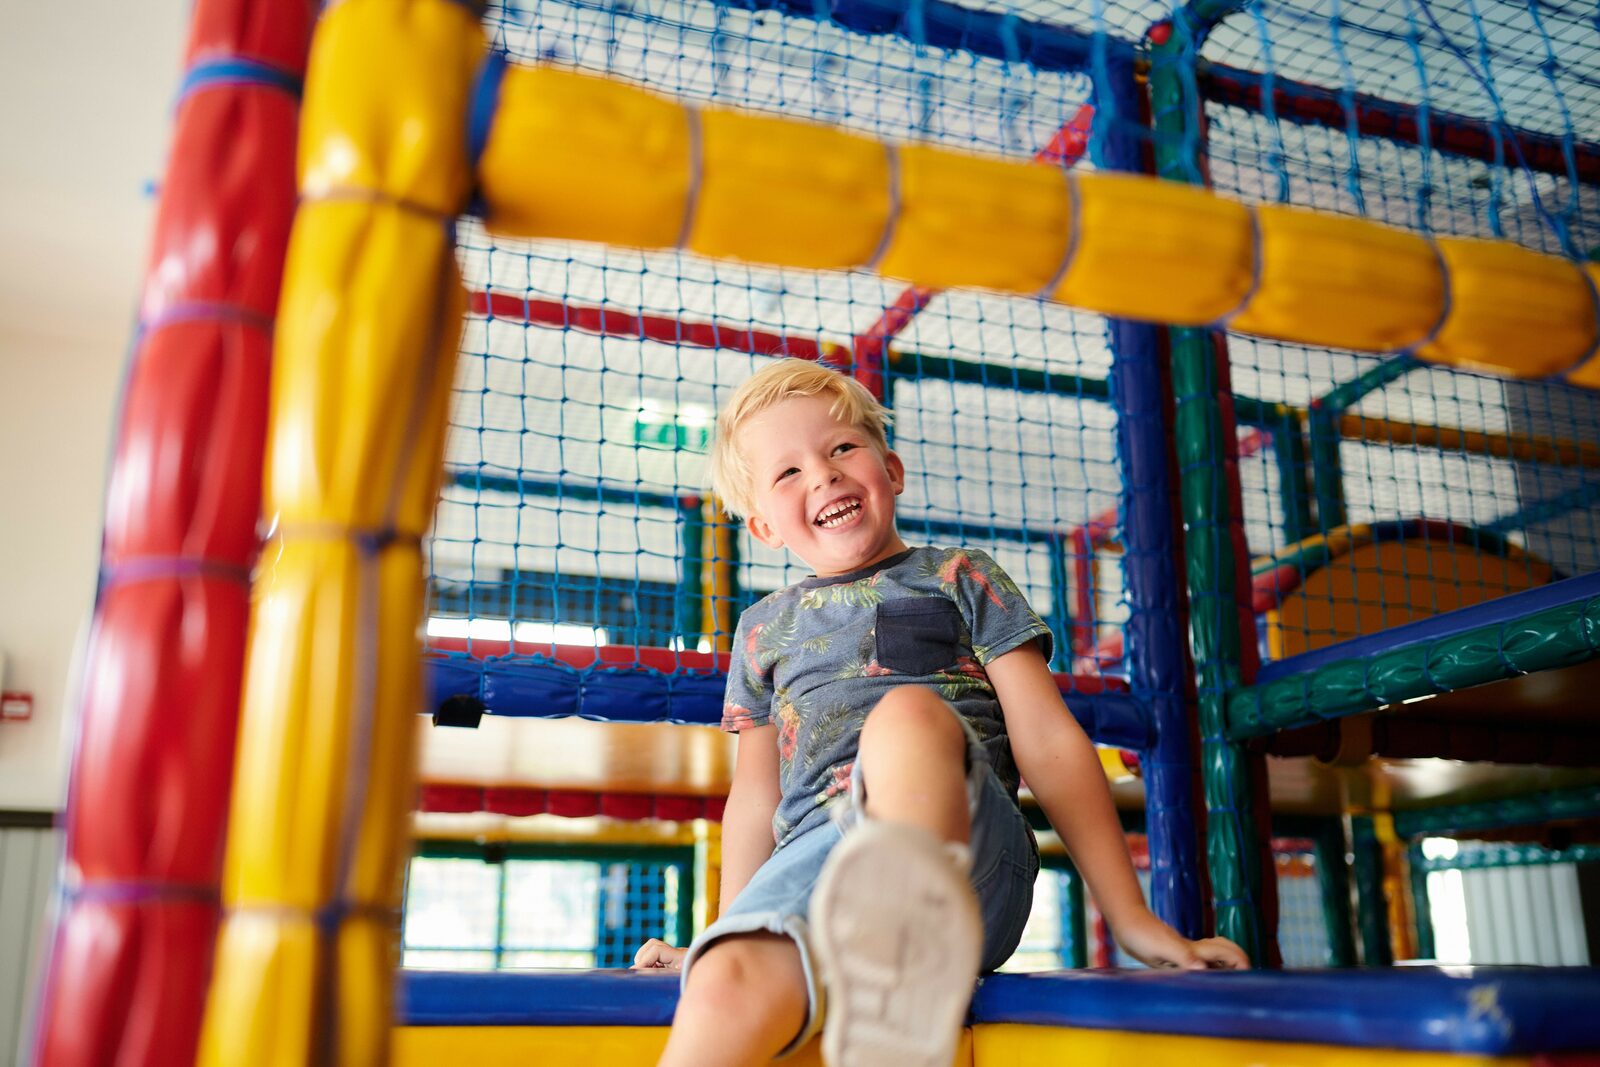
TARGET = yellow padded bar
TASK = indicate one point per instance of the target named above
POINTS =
(603, 1046)
(363, 358)
(1342, 282)
(579, 157)
(986, 1045)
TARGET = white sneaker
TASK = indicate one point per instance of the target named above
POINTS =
(898, 936)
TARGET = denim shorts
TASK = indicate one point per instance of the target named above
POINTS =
(1005, 863)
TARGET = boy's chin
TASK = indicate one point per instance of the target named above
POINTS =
(843, 561)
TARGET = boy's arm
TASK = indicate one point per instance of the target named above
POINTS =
(746, 832)
(747, 821)
(1060, 766)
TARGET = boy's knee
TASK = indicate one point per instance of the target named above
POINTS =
(749, 973)
(914, 708)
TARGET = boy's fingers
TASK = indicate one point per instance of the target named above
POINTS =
(1220, 953)
(656, 954)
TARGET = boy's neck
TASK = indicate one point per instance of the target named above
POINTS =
(892, 554)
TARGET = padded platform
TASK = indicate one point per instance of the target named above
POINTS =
(1483, 1010)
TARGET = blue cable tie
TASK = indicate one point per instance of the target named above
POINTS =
(480, 120)
(485, 101)
(236, 70)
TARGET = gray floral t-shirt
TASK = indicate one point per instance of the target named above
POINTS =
(815, 657)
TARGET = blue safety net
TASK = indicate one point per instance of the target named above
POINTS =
(573, 511)
(1376, 489)
(1477, 118)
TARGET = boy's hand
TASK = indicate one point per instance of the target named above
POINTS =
(657, 955)
(1155, 944)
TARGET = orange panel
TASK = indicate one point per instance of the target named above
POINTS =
(1378, 587)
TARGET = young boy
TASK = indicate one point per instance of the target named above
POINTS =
(884, 708)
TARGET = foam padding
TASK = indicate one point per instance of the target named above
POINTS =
(537, 998)
(1338, 281)
(576, 156)
(1460, 1011)
(523, 1046)
(605, 1046)
(1012, 1045)
(999, 1045)
(1493, 1011)
(363, 361)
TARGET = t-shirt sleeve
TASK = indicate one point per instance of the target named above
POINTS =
(747, 700)
(998, 615)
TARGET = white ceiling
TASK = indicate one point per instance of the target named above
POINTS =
(85, 95)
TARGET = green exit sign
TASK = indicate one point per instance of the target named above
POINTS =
(686, 429)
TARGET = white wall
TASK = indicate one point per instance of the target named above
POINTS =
(55, 407)
(27, 868)
(85, 93)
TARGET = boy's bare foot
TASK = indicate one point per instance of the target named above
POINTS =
(898, 935)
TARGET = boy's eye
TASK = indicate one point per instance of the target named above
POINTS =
(844, 447)
(786, 473)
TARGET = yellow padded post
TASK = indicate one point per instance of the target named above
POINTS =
(363, 359)
(717, 578)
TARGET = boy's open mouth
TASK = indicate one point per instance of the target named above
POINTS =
(838, 513)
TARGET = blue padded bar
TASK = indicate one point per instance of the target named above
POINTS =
(1488, 1010)
(1484, 1010)
(1447, 624)
(1119, 719)
(542, 688)
(537, 998)
(939, 24)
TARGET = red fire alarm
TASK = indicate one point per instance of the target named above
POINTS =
(16, 707)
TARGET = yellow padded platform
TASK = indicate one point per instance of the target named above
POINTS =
(994, 1045)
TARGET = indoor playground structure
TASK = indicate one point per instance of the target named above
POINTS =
(1257, 339)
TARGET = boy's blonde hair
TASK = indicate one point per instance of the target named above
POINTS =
(731, 478)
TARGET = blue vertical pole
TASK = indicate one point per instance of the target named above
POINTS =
(1154, 636)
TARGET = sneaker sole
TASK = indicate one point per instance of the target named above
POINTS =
(898, 937)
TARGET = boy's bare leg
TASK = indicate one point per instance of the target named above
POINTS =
(913, 759)
(744, 1001)
(894, 921)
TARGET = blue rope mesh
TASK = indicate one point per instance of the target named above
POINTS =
(576, 457)
(571, 513)
(1477, 118)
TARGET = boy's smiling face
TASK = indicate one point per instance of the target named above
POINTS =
(821, 488)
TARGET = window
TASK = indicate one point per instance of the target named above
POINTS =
(1053, 936)
(491, 908)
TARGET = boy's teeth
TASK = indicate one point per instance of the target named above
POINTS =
(837, 514)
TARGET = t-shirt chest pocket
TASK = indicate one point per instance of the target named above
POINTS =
(919, 635)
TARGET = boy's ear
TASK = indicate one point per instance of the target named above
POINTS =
(897, 472)
(762, 531)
